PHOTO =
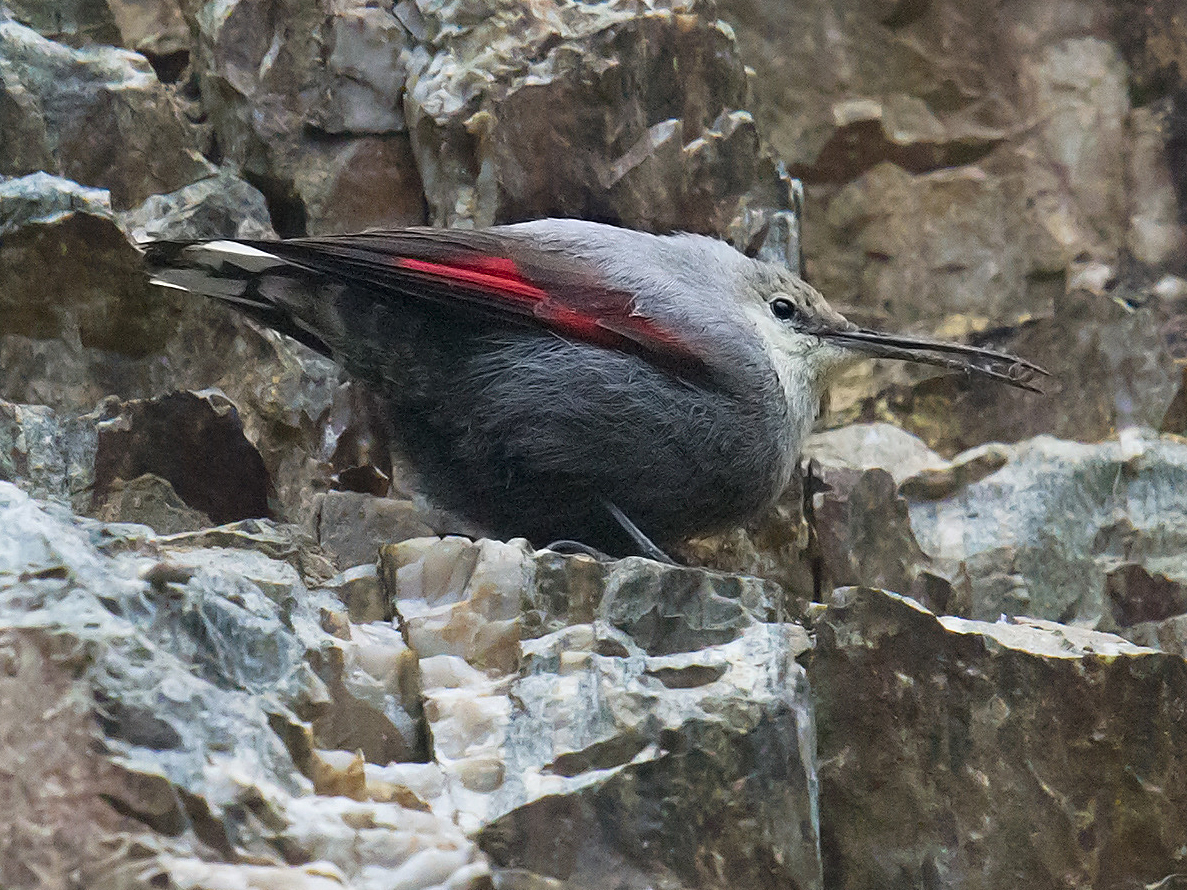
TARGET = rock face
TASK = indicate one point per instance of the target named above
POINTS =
(973, 170)
(1050, 529)
(233, 650)
(1086, 552)
(960, 753)
(192, 680)
(638, 115)
(223, 705)
(573, 705)
(68, 270)
(98, 116)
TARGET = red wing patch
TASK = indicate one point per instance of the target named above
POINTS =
(500, 279)
(486, 273)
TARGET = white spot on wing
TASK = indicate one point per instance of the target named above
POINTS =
(161, 282)
(250, 259)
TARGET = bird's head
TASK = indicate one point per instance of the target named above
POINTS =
(800, 327)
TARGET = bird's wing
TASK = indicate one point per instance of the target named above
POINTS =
(485, 272)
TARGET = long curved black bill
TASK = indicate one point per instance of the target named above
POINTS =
(955, 356)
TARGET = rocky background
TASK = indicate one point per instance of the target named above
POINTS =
(237, 652)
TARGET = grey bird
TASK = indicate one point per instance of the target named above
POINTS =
(562, 379)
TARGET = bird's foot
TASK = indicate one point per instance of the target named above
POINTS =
(576, 548)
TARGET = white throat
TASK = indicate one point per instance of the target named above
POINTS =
(799, 376)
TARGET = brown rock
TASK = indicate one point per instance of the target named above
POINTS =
(618, 116)
(315, 120)
(921, 246)
(59, 821)
(985, 755)
(1168, 635)
(79, 322)
(842, 86)
(155, 28)
(351, 184)
(351, 527)
(1140, 596)
(101, 116)
(865, 537)
(66, 269)
(1073, 161)
(1155, 232)
(150, 500)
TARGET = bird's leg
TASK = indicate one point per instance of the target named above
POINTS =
(646, 546)
(812, 485)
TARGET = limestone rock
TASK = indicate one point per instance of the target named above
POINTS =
(639, 116)
(48, 457)
(170, 463)
(602, 724)
(66, 269)
(1045, 528)
(982, 755)
(946, 239)
(359, 591)
(1063, 556)
(308, 104)
(221, 206)
(182, 688)
(1154, 230)
(150, 500)
(96, 115)
(353, 526)
(1114, 361)
(868, 446)
(539, 685)
(962, 166)
(154, 28)
(80, 322)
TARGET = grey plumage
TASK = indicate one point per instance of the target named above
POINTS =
(536, 372)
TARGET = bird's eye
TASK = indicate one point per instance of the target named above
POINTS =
(783, 309)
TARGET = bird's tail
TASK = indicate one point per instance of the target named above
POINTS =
(268, 288)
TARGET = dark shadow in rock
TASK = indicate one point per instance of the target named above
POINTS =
(363, 480)
(196, 442)
(1137, 595)
(603, 755)
(690, 677)
(134, 724)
